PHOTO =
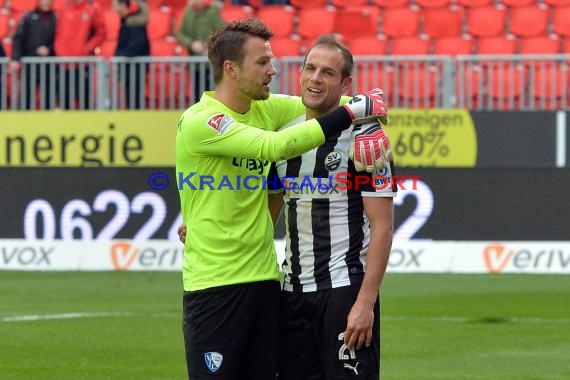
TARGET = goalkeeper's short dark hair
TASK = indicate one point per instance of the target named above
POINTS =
(331, 42)
(227, 42)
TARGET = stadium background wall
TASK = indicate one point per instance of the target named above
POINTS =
(420, 137)
(509, 186)
(447, 204)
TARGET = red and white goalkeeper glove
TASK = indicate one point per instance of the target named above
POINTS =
(370, 150)
(367, 107)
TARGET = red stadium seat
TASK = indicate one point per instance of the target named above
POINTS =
(59, 4)
(443, 22)
(367, 46)
(257, 4)
(528, 21)
(369, 75)
(104, 4)
(539, 45)
(560, 21)
(356, 21)
(156, 4)
(348, 3)
(164, 88)
(159, 23)
(505, 85)
(391, 3)
(168, 85)
(289, 80)
(7, 85)
(433, 3)
(235, 12)
(565, 46)
(470, 86)
(486, 21)
(302, 4)
(496, 45)
(165, 47)
(453, 46)
(500, 45)
(285, 47)
(23, 5)
(400, 22)
(474, 3)
(309, 29)
(418, 86)
(279, 18)
(308, 42)
(550, 86)
(556, 3)
(414, 45)
(5, 27)
(112, 24)
(518, 3)
(176, 5)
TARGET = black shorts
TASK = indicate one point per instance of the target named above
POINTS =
(309, 345)
(230, 332)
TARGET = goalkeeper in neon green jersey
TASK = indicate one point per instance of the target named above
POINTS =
(230, 272)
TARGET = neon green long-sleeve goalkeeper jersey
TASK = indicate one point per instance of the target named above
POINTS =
(222, 160)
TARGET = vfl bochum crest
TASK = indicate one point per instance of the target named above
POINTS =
(213, 360)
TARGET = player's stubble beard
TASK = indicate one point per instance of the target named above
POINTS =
(254, 92)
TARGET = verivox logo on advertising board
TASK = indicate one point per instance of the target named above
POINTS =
(27, 255)
(496, 257)
(146, 255)
(527, 257)
(46, 255)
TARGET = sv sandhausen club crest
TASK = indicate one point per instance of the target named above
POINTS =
(213, 360)
(333, 160)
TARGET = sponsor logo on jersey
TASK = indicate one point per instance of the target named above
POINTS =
(251, 164)
(219, 123)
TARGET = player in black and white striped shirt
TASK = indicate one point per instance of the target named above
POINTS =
(339, 236)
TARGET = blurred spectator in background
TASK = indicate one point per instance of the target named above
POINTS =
(34, 37)
(2, 72)
(200, 18)
(132, 42)
(80, 29)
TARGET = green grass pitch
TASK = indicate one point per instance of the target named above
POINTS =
(113, 325)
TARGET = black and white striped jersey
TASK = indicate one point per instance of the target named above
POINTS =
(327, 230)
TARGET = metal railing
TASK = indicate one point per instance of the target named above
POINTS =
(479, 82)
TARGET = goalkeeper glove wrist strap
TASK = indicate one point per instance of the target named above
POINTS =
(335, 122)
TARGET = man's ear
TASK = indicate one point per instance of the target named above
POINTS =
(346, 85)
(230, 69)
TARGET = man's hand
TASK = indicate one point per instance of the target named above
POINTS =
(182, 233)
(359, 324)
(367, 107)
(371, 149)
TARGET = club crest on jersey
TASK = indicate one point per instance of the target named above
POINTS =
(219, 123)
(213, 360)
(332, 160)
